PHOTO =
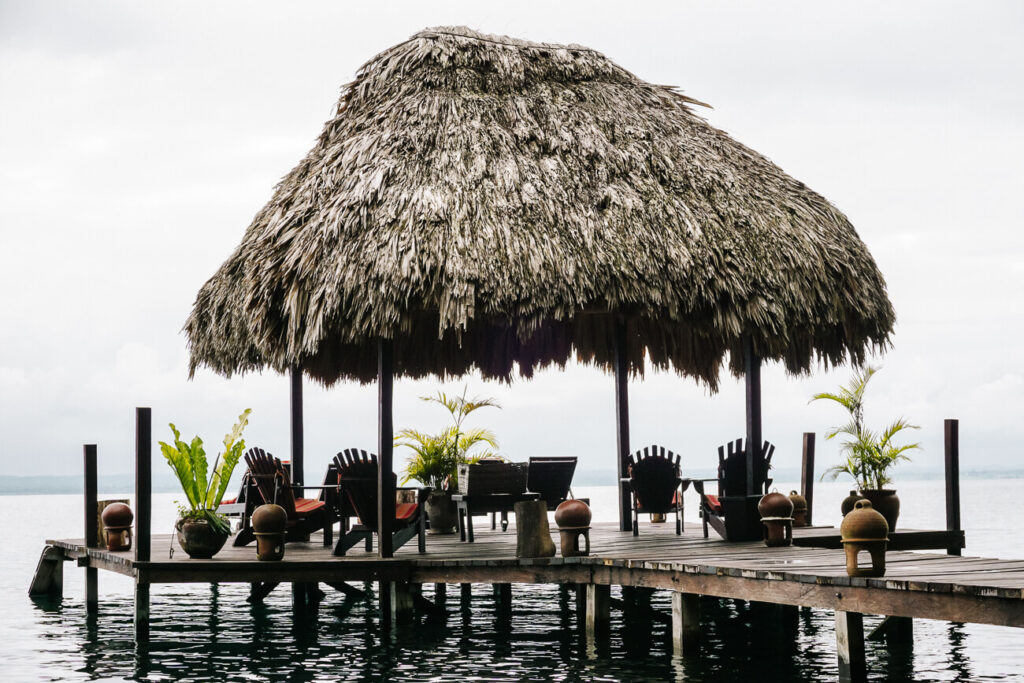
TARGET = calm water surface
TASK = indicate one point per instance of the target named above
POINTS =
(204, 633)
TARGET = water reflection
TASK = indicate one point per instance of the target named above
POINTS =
(210, 633)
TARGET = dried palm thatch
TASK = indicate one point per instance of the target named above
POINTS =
(494, 203)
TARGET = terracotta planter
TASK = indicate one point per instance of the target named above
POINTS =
(849, 502)
(886, 502)
(441, 512)
(198, 539)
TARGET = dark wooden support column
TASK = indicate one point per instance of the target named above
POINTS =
(850, 647)
(385, 447)
(952, 439)
(298, 462)
(622, 422)
(807, 474)
(752, 374)
(91, 527)
(402, 601)
(143, 514)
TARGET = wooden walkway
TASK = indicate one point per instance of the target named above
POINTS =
(932, 586)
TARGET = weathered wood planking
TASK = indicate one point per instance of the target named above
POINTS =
(932, 586)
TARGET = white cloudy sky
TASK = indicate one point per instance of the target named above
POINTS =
(138, 140)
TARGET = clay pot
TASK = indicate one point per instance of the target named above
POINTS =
(849, 502)
(573, 514)
(775, 504)
(117, 522)
(864, 529)
(441, 512)
(268, 526)
(799, 508)
(198, 539)
(886, 502)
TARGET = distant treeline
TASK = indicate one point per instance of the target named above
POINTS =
(165, 483)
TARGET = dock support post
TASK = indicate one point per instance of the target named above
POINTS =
(91, 528)
(384, 602)
(622, 423)
(440, 593)
(895, 631)
(503, 605)
(402, 601)
(685, 623)
(807, 474)
(143, 515)
(598, 609)
(385, 448)
(850, 646)
(952, 449)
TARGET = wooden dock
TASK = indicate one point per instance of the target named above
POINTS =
(916, 585)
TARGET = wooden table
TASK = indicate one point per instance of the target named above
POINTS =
(481, 504)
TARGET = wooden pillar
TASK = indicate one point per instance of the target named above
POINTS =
(297, 452)
(91, 527)
(807, 474)
(402, 600)
(466, 595)
(143, 514)
(384, 600)
(952, 448)
(440, 593)
(685, 623)
(622, 422)
(752, 374)
(385, 446)
(598, 609)
(850, 646)
(503, 605)
(895, 631)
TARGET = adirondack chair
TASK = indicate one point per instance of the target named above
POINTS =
(655, 484)
(551, 477)
(731, 499)
(357, 478)
(270, 478)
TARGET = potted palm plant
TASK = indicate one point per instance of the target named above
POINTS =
(436, 458)
(201, 530)
(869, 456)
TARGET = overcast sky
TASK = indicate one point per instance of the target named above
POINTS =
(137, 141)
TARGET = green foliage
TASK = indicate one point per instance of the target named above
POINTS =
(868, 455)
(436, 457)
(203, 492)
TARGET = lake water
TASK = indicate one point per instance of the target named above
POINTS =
(200, 633)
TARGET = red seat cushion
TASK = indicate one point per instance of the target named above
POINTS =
(713, 503)
(405, 511)
(306, 505)
(228, 501)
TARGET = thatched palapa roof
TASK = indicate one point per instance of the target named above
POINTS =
(488, 202)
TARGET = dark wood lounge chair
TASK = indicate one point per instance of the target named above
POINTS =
(270, 478)
(551, 477)
(357, 472)
(656, 485)
(731, 498)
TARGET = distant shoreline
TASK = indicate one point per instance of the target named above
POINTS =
(120, 483)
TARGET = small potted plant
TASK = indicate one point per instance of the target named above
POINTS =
(201, 530)
(869, 455)
(436, 457)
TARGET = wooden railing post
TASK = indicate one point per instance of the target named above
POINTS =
(91, 527)
(143, 514)
(807, 474)
(952, 448)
